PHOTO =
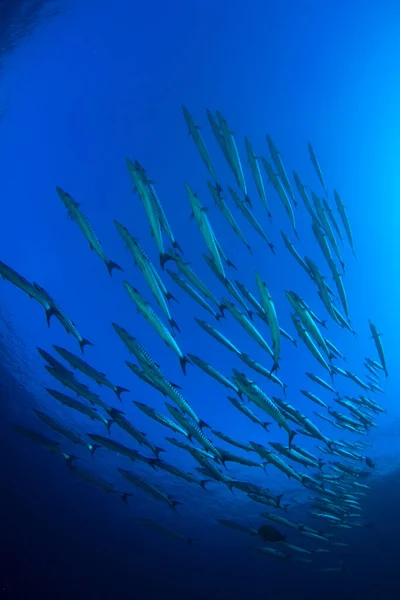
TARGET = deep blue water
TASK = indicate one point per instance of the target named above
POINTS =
(96, 83)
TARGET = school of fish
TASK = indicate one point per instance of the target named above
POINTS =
(335, 475)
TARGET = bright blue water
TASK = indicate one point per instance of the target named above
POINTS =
(99, 83)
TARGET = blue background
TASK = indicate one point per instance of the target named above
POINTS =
(98, 83)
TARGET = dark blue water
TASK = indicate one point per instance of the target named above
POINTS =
(85, 84)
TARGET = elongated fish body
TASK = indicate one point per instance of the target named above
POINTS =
(142, 260)
(194, 132)
(207, 368)
(241, 460)
(335, 350)
(241, 406)
(197, 453)
(148, 313)
(173, 393)
(149, 488)
(64, 430)
(320, 236)
(327, 227)
(256, 395)
(378, 344)
(281, 520)
(194, 279)
(118, 417)
(314, 431)
(316, 166)
(194, 430)
(248, 326)
(231, 441)
(280, 190)
(296, 456)
(275, 460)
(165, 466)
(343, 215)
(217, 335)
(302, 191)
(65, 321)
(38, 438)
(322, 288)
(314, 398)
(119, 448)
(270, 551)
(232, 150)
(263, 371)
(141, 184)
(168, 532)
(54, 363)
(341, 291)
(80, 407)
(312, 347)
(332, 218)
(29, 288)
(250, 217)
(307, 320)
(140, 353)
(294, 252)
(374, 365)
(150, 274)
(210, 469)
(162, 219)
(160, 418)
(80, 389)
(199, 213)
(84, 367)
(191, 291)
(98, 482)
(256, 172)
(220, 139)
(80, 218)
(223, 207)
(322, 383)
(357, 380)
(237, 526)
(269, 309)
(226, 283)
(276, 157)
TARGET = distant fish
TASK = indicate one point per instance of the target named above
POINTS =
(277, 159)
(316, 166)
(168, 532)
(150, 488)
(77, 215)
(377, 339)
(194, 132)
(255, 171)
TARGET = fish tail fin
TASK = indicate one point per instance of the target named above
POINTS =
(183, 362)
(219, 316)
(296, 234)
(279, 498)
(176, 246)
(266, 424)
(296, 343)
(323, 324)
(275, 367)
(203, 483)
(272, 247)
(286, 507)
(284, 389)
(174, 504)
(222, 307)
(249, 249)
(83, 342)
(164, 257)
(269, 216)
(108, 423)
(230, 264)
(112, 265)
(230, 486)
(169, 297)
(248, 200)
(69, 459)
(93, 448)
(291, 436)
(152, 462)
(203, 425)
(219, 188)
(174, 325)
(49, 313)
(118, 390)
(124, 497)
(250, 314)
(157, 450)
(264, 464)
(320, 463)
